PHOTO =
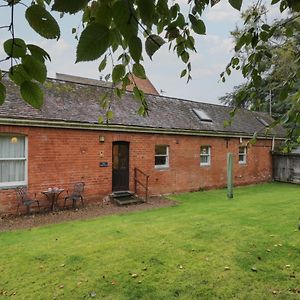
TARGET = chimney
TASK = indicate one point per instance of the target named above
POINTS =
(143, 84)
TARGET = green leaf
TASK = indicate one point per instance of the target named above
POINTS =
(146, 9)
(32, 94)
(138, 94)
(38, 53)
(117, 73)
(152, 44)
(121, 13)
(100, 120)
(125, 59)
(42, 22)
(93, 42)
(10, 2)
(139, 71)
(162, 8)
(237, 4)
(185, 56)
(102, 64)
(197, 25)
(109, 115)
(235, 61)
(69, 6)
(15, 48)
(183, 73)
(104, 14)
(35, 68)
(18, 74)
(2, 93)
(265, 27)
(135, 48)
(121, 16)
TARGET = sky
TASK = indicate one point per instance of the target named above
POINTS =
(214, 51)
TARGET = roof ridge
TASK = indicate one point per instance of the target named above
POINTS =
(130, 92)
(159, 97)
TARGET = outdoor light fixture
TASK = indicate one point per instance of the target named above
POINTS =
(101, 139)
(14, 140)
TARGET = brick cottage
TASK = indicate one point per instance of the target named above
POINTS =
(182, 145)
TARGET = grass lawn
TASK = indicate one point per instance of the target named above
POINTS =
(177, 252)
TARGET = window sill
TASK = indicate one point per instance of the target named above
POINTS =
(243, 163)
(205, 165)
(12, 187)
(161, 168)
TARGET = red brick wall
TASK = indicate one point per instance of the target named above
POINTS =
(60, 157)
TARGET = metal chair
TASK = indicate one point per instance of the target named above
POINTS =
(24, 199)
(76, 195)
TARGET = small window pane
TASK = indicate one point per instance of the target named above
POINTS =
(160, 160)
(12, 147)
(205, 155)
(12, 160)
(242, 155)
(161, 156)
(204, 159)
(160, 149)
(11, 171)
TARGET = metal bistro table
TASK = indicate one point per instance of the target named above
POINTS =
(52, 195)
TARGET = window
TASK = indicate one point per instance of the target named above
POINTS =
(161, 156)
(242, 155)
(205, 156)
(263, 121)
(202, 115)
(13, 160)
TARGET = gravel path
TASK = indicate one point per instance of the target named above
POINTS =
(8, 223)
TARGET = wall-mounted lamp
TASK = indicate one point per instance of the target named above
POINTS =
(101, 139)
(241, 140)
(14, 140)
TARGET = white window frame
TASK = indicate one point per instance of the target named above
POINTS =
(166, 165)
(208, 154)
(17, 183)
(244, 154)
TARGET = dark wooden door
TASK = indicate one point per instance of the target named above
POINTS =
(120, 176)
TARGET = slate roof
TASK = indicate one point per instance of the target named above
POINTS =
(75, 102)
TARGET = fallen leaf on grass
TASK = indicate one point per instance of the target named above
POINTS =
(287, 266)
(253, 269)
(269, 250)
(93, 294)
(134, 275)
(226, 268)
(113, 282)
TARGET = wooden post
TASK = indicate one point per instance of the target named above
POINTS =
(229, 176)
(147, 178)
(135, 187)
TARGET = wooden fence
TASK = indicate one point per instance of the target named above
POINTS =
(286, 167)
